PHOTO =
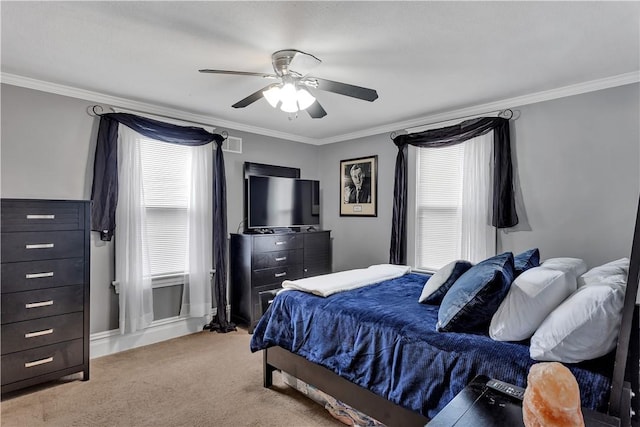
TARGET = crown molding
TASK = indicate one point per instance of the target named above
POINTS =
(143, 107)
(519, 101)
(548, 95)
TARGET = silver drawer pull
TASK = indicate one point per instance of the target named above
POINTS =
(280, 274)
(38, 333)
(282, 258)
(41, 217)
(38, 362)
(280, 243)
(270, 301)
(39, 304)
(40, 246)
(38, 275)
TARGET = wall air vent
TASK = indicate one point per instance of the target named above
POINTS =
(232, 145)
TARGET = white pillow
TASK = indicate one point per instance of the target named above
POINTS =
(585, 326)
(532, 296)
(615, 271)
(437, 285)
(575, 265)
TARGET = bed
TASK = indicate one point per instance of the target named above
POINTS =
(376, 349)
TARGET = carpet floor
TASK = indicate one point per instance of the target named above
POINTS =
(203, 379)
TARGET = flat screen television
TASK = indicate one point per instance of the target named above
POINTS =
(275, 202)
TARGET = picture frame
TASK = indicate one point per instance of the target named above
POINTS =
(359, 187)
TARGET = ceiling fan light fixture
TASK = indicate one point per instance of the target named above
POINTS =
(305, 99)
(289, 105)
(272, 95)
(288, 91)
(289, 97)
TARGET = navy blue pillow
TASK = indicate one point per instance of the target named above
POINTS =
(474, 298)
(526, 260)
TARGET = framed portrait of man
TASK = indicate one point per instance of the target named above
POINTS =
(359, 186)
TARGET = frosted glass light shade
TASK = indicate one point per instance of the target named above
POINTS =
(272, 96)
(289, 98)
(289, 106)
(305, 99)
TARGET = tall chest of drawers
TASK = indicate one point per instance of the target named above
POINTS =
(44, 281)
(259, 263)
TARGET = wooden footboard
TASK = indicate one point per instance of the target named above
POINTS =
(388, 413)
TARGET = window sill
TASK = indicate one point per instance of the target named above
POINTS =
(160, 282)
(165, 280)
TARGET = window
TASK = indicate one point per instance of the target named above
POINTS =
(164, 226)
(166, 180)
(438, 205)
(453, 203)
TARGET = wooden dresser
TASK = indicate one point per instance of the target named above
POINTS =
(45, 290)
(259, 263)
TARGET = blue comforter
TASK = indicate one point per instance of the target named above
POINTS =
(381, 338)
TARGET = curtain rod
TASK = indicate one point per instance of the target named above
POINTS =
(506, 114)
(94, 109)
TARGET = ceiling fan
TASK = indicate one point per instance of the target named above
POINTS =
(292, 92)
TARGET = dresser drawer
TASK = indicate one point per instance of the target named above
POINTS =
(41, 215)
(19, 306)
(276, 258)
(261, 298)
(32, 246)
(265, 298)
(20, 336)
(277, 242)
(25, 276)
(41, 360)
(268, 276)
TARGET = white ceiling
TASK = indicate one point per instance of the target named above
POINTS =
(423, 58)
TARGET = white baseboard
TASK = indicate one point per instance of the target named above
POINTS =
(111, 342)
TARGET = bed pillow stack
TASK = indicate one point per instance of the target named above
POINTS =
(475, 296)
(585, 326)
(533, 295)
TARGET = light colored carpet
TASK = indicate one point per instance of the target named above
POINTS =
(204, 379)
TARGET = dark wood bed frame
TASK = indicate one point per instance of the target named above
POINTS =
(625, 377)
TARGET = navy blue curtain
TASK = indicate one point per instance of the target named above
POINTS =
(104, 191)
(221, 324)
(504, 209)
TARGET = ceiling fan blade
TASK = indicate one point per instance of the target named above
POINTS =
(303, 63)
(239, 73)
(316, 111)
(346, 89)
(251, 98)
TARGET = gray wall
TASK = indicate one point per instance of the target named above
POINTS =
(358, 241)
(47, 150)
(578, 161)
(578, 179)
(48, 143)
(577, 166)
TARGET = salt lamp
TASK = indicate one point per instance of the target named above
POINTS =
(552, 397)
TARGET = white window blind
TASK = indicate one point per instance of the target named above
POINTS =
(166, 196)
(438, 205)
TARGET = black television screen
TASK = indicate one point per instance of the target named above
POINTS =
(282, 202)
